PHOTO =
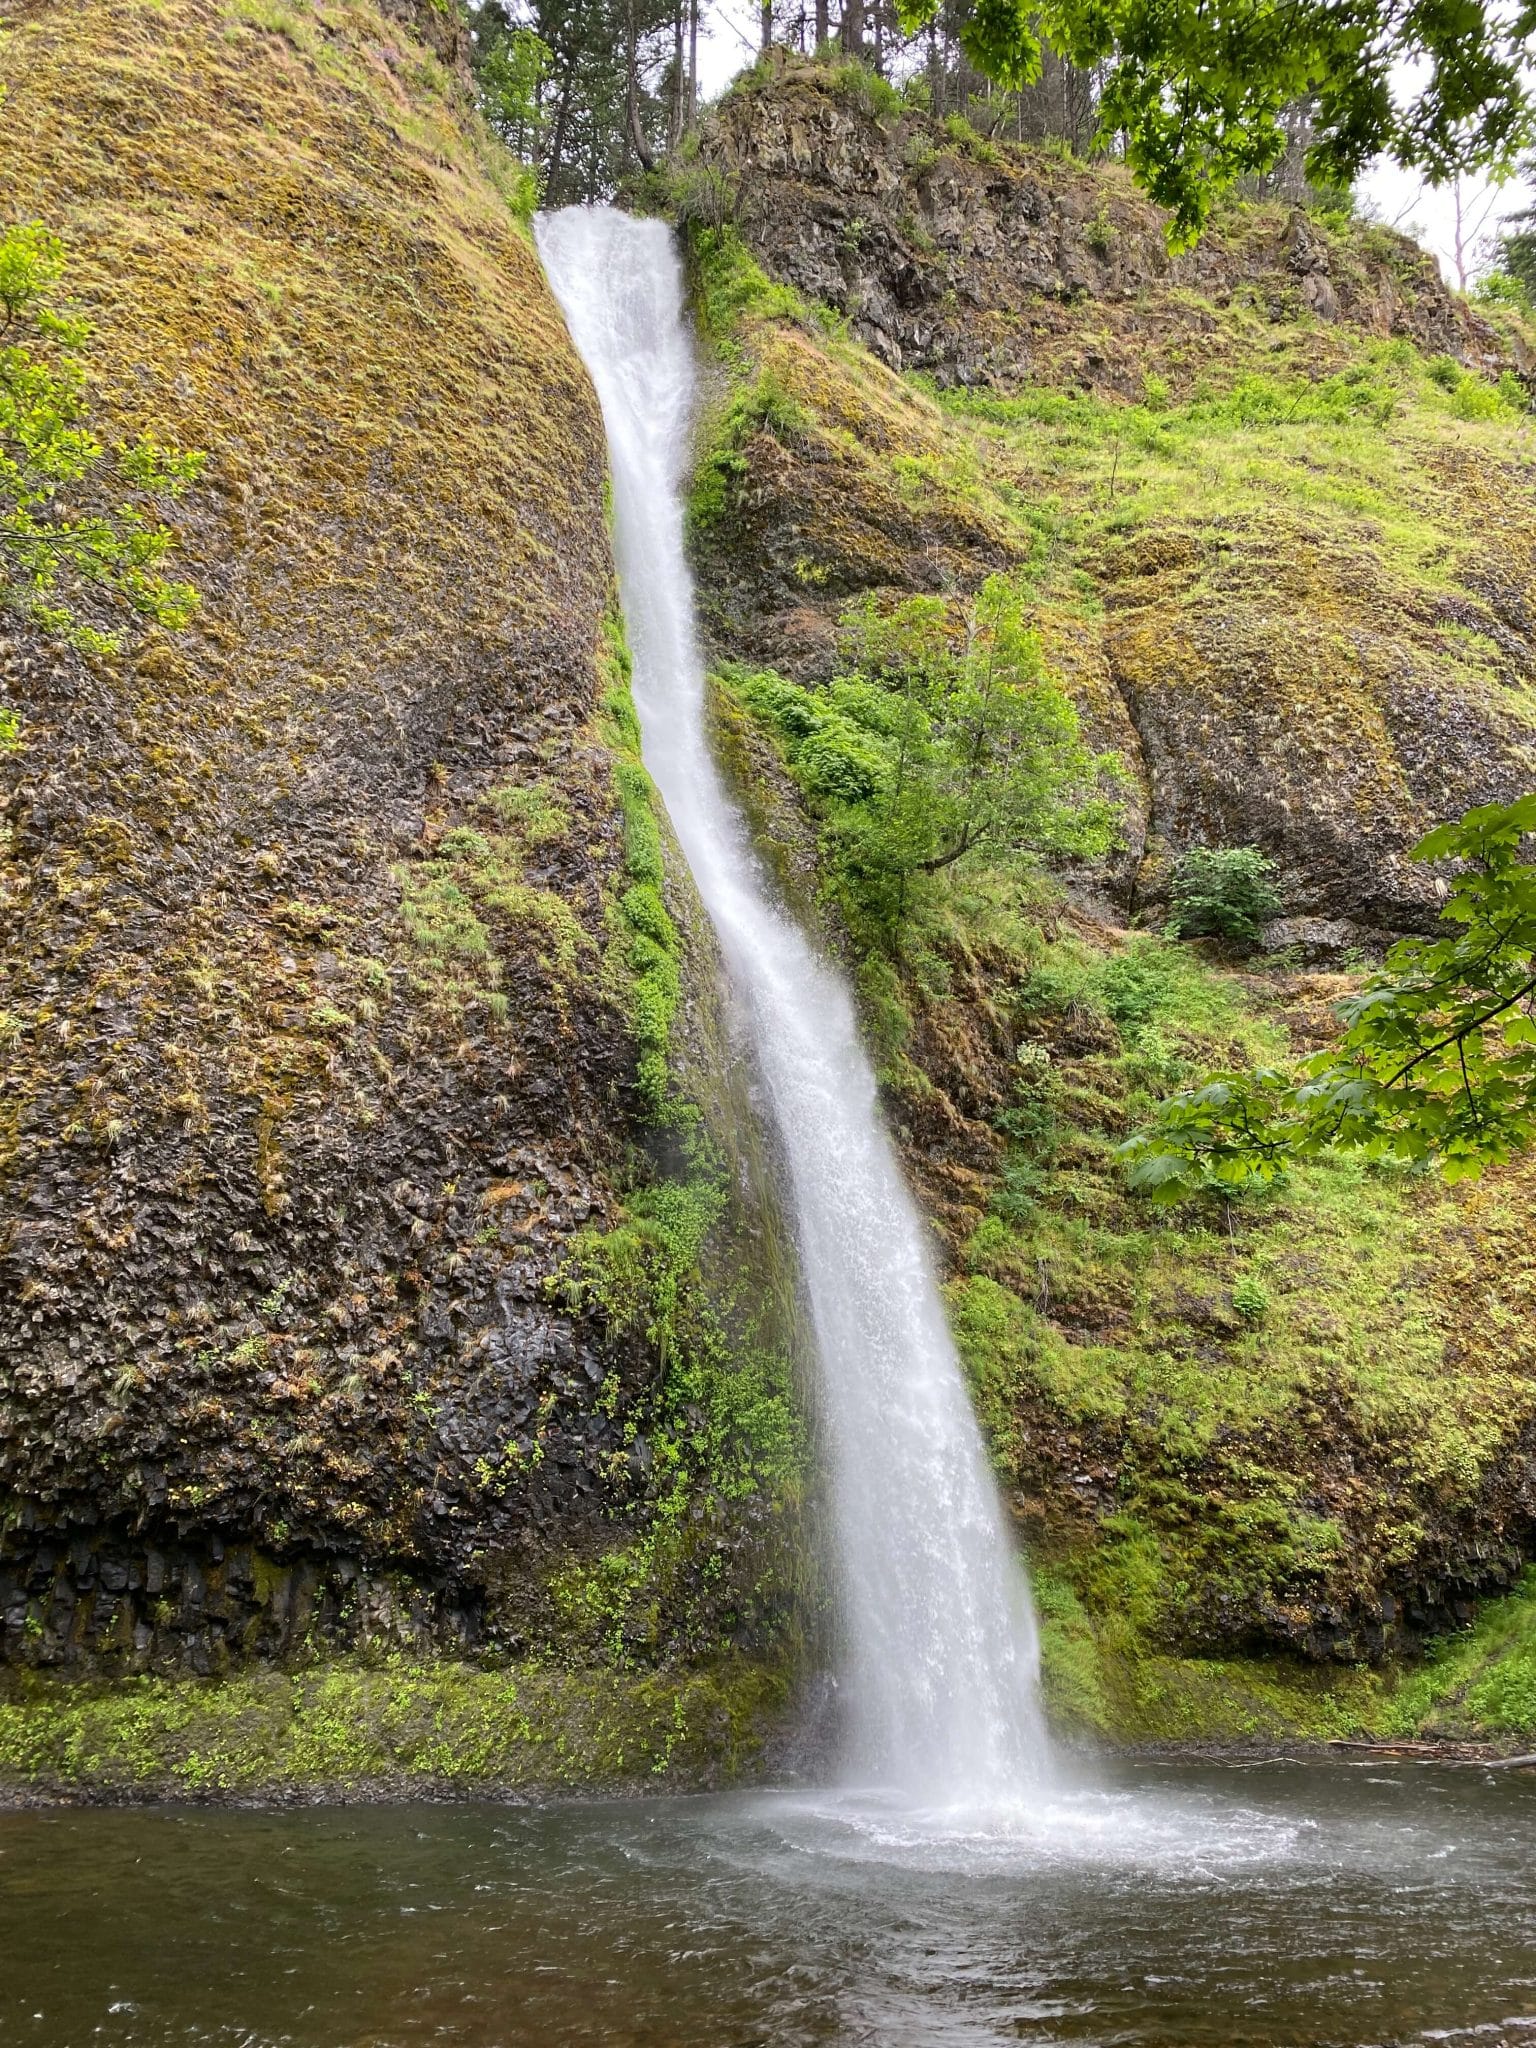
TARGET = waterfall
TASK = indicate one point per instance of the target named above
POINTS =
(940, 1660)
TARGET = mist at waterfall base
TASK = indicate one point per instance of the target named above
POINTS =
(940, 1681)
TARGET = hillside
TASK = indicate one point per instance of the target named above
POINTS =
(1278, 540)
(400, 1350)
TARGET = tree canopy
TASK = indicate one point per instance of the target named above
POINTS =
(1200, 93)
(1437, 1061)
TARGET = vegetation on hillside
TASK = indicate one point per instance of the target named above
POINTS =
(942, 748)
(1289, 1422)
(61, 564)
(1437, 1062)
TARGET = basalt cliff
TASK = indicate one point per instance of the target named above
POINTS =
(400, 1371)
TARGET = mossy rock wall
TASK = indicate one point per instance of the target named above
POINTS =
(1262, 1454)
(306, 1080)
(1273, 491)
(341, 1000)
(982, 263)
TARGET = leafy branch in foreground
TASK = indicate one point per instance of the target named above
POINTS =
(1437, 1062)
(1199, 93)
(52, 553)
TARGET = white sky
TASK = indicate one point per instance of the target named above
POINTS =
(728, 40)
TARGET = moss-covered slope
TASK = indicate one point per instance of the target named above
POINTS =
(1279, 544)
(1274, 493)
(343, 983)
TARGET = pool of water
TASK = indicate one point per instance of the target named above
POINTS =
(1300, 1904)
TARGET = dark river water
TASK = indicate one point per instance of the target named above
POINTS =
(1269, 1904)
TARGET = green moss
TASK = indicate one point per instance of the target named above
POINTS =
(1102, 1680)
(465, 905)
(1251, 446)
(764, 405)
(1480, 1682)
(729, 285)
(647, 947)
(724, 1434)
(1269, 1385)
(400, 1724)
(318, 283)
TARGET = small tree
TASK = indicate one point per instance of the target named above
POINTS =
(1223, 892)
(940, 747)
(56, 557)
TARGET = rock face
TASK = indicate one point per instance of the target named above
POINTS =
(1302, 693)
(1318, 651)
(317, 1047)
(985, 265)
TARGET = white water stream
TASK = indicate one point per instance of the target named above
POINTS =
(940, 1666)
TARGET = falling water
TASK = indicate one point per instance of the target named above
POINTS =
(940, 1663)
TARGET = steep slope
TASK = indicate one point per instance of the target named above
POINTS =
(1273, 541)
(340, 994)
(1284, 462)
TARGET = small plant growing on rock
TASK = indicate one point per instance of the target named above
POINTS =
(1099, 232)
(1223, 892)
(56, 555)
(1250, 1297)
(970, 139)
(873, 95)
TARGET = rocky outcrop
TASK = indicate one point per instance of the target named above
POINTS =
(982, 264)
(1280, 546)
(1304, 696)
(1318, 647)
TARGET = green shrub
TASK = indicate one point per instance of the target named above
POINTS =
(971, 140)
(701, 196)
(1099, 232)
(63, 557)
(1474, 400)
(1500, 288)
(869, 92)
(945, 746)
(1250, 1297)
(1223, 892)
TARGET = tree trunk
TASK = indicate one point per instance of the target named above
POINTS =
(853, 28)
(767, 24)
(823, 24)
(637, 141)
(693, 63)
(556, 160)
(679, 81)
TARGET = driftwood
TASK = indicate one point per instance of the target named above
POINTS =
(1441, 1752)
